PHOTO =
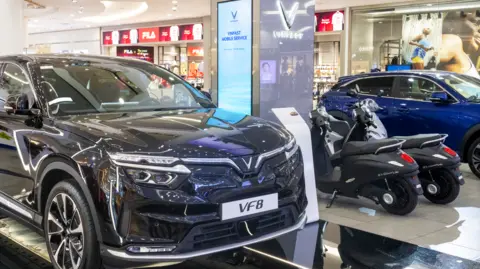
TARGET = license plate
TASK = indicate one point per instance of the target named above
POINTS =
(250, 206)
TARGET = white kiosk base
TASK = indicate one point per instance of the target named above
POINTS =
(290, 118)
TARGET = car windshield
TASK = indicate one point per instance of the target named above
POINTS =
(82, 86)
(467, 86)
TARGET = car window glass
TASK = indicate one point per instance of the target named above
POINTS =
(373, 86)
(415, 88)
(93, 87)
(15, 88)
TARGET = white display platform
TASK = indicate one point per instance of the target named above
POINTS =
(299, 128)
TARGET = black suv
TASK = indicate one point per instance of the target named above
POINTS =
(120, 163)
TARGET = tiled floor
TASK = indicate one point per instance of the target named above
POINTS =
(453, 229)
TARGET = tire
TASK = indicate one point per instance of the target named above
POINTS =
(449, 188)
(473, 157)
(79, 231)
(406, 198)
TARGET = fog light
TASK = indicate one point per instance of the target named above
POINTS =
(143, 249)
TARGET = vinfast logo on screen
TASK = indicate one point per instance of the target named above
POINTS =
(235, 56)
(287, 16)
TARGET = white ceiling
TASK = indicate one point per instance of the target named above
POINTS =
(74, 14)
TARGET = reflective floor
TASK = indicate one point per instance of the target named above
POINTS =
(453, 229)
(319, 245)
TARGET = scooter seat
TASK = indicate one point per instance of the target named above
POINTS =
(416, 141)
(368, 147)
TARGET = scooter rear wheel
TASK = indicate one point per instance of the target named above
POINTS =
(405, 197)
(449, 188)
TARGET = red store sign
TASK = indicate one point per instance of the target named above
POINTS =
(146, 35)
(154, 34)
(195, 51)
(329, 21)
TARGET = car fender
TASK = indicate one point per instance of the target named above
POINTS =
(463, 147)
(59, 164)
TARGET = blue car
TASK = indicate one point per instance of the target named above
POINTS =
(417, 102)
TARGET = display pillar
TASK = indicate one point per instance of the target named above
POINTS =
(345, 47)
(207, 41)
(262, 55)
(13, 27)
(262, 64)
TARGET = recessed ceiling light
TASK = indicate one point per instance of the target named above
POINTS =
(74, 1)
(169, 15)
(380, 22)
(174, 2)
(174, 8)
(429, 5)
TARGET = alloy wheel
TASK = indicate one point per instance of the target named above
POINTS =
(476, 158)
(65, 232)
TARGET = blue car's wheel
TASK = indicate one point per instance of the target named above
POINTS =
(473, 157)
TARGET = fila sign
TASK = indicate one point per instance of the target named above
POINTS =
(154, 34)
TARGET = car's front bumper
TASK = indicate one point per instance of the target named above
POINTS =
(121, 258)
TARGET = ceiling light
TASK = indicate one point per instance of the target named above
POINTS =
(128, 13)
(174, 2)
(169, 15)
(74, 1)
(72, 15)
(174, 8)
(429, 5)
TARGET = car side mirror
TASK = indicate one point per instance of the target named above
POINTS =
(352, 92)
(439, 97)
(207, 94)
(20, 105)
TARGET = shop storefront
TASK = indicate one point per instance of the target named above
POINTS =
(438, 36)
(329, 30)
(328, 35)
(178, 48)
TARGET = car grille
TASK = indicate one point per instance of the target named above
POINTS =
(213, 235)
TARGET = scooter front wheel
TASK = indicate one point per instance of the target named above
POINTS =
(448, 187)
(406, 198)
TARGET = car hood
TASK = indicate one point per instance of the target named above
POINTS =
(206, 133)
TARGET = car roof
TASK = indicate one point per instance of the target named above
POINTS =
(67, 57)
(426, 73)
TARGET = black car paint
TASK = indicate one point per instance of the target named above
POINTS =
(125, 212)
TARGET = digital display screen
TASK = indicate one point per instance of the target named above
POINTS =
(398, 67)
(235, 56)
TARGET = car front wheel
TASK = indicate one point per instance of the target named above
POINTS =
(69, 231)
(473, 157)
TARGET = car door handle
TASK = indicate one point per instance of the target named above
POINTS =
(403, 109)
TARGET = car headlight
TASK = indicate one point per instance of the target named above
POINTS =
(141, 176)
(155, 170)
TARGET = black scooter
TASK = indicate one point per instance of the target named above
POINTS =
(377, 170)
(440, 174)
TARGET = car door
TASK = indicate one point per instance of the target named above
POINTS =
(418, 114)
(380, 89)
(16, 181)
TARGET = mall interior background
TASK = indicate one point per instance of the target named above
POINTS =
(349, 38)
